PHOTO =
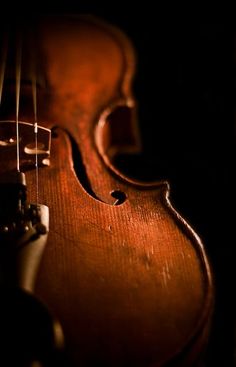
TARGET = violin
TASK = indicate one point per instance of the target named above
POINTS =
(107, 256)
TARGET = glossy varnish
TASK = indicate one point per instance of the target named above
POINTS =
(125, 275)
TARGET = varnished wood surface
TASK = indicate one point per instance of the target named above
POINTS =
(130, 283)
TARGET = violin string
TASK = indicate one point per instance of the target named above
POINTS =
(18, 81)
(34, 93)
(33, 75)
(3, 64)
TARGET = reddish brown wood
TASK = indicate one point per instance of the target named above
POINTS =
(130, 283)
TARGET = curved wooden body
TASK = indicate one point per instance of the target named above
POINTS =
(128, 279)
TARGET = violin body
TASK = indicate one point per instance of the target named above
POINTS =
(125, 275)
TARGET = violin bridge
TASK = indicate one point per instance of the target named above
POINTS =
(28, 146)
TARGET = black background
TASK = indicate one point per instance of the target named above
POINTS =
(185, 89)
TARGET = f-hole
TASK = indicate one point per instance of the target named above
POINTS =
(81, 174)
(120, 197)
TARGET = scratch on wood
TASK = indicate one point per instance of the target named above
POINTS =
(164, 276)
(167, 270)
